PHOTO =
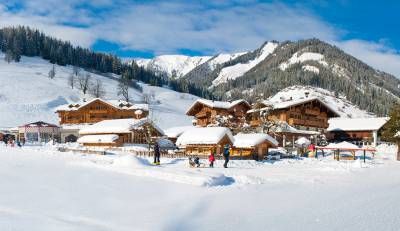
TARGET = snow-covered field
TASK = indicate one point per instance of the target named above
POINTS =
(42, 189)
(27, 94)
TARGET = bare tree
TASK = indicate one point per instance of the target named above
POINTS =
(97, 89)
(84, 82)
(75, 70)
(71, 80)
(8, 56)
(123, 88)
(52, 72)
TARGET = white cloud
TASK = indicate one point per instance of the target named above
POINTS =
(377, 55)
(169, 27)
(76, 35)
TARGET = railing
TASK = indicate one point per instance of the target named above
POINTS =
(163, 154)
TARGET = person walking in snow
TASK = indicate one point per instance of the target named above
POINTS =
(19, 144)
(226, 155)
(156, 154)
(211, 158)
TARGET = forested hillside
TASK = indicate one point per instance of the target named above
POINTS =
(308, 63)
(18, 41)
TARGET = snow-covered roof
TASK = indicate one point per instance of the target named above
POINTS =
(117, 126)
(358, 124)
(102, 139)
(342, 145)
(175, 132)
(218, 104)
(119, 104)
(206, 135)
(295, 102)
(39, 124)
(243, 140)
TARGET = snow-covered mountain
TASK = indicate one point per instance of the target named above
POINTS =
(174, 66)
(27, 94)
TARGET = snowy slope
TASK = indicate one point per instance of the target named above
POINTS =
(174, 65)
(222, 58)
(45, 190)
(343, 106)
(303, 57)
(28, 95)
(232, 72)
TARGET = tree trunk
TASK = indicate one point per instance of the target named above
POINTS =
(398, 151)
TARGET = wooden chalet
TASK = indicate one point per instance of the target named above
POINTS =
(255, 145)
(309, 114)
(208, 112)
(116, 133)
(74, 117)
(97, 110)
(356, 130)
(201, 141)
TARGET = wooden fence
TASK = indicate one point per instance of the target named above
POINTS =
(149, 154)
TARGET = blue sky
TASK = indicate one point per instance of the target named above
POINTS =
(366, 29)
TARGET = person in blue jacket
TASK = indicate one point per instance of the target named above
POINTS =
(226, 154)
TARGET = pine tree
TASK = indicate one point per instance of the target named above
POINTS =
(393, 125)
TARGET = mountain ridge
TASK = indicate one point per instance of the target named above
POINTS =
(310, 62)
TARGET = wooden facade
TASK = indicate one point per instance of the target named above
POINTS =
(139, 135)
(351, 136)
(205, 149)
(98, 110)
(258, 152)
(207, 114)
(309, 115)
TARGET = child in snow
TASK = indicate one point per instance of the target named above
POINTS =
(197, 161)
(211, 158)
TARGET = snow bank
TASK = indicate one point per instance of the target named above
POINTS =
(387, 151)
(130, 161)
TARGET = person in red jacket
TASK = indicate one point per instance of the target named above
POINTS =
(211, 158)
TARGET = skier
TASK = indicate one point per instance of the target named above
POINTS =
(211, 158)
(226, 155)
(156, 154)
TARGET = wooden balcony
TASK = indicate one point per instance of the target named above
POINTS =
(99, 111)
(312, 112)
